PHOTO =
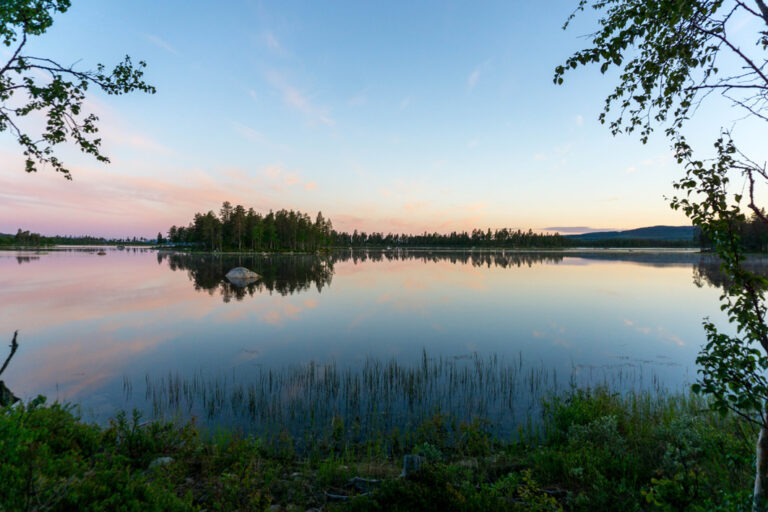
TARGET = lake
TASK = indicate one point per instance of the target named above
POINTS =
(372, 333)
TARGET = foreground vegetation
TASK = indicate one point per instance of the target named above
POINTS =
(592, 450)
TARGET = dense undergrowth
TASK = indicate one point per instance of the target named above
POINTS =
(592, 450)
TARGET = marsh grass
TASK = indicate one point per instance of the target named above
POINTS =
(310, 401)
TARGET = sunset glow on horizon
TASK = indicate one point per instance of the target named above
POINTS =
(405, 118)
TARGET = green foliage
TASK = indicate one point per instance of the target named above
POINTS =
(52, 461)
(618, 452)
(597, 451)
(60, 95)
(666, 51)
(442, 488)
(732, 368)
(237, 229)
(670, 53)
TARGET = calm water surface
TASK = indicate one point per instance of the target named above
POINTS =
(108, 331)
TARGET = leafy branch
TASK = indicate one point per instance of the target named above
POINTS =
(30, 84)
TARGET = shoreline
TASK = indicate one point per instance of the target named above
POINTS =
(686, 250)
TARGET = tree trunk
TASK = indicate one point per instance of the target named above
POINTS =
(760, 494)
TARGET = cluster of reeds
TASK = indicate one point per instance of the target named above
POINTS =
(378, 396)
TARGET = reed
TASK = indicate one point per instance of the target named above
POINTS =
(381, 395)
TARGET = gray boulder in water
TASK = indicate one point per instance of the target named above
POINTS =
(241, 276)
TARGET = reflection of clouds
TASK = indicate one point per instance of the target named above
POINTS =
(82, 289)
(659, 332)
(667, 336)
(76, 366)
(554, 333)
(557, 328)
(416, 276)
(415, 285)
(246, 355)
(232, 315)
(120, 308)
(284, 311)
(358, 320)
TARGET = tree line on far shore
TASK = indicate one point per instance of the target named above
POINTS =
(26, 238)
(236, 228)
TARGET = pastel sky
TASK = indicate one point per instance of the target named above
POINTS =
(386, 116)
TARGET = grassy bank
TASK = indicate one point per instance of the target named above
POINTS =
(593, 450)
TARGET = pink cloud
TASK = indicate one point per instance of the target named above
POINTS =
(108, 202)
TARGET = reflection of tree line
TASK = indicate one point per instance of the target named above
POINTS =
(501, 259)
(294, 273)
(511, 259)
(26, 259)
(707, 270)
(284, 274)
(36, 255)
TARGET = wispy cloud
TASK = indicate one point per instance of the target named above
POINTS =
(556, 154)
(256, 136)
(249, 133)
(405, 102)
(271, 41)
(416, 205)
(281, 179)
(359, 99)
(575, 230)
(474, 76)
(161, 44)
(297, 100)
(117, 133)
(472, 79)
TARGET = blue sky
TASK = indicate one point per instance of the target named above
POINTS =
(389, 116)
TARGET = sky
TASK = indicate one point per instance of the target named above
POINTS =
(385, 116)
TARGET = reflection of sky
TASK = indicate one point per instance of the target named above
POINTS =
(86, 321)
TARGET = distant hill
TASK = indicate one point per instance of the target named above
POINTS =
(666, 233)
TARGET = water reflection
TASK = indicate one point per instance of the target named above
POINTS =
(279, 273)
(288, 274)
(707, 271)
(26, 259)
(87, 321)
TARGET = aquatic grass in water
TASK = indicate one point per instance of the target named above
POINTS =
(380, 396)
